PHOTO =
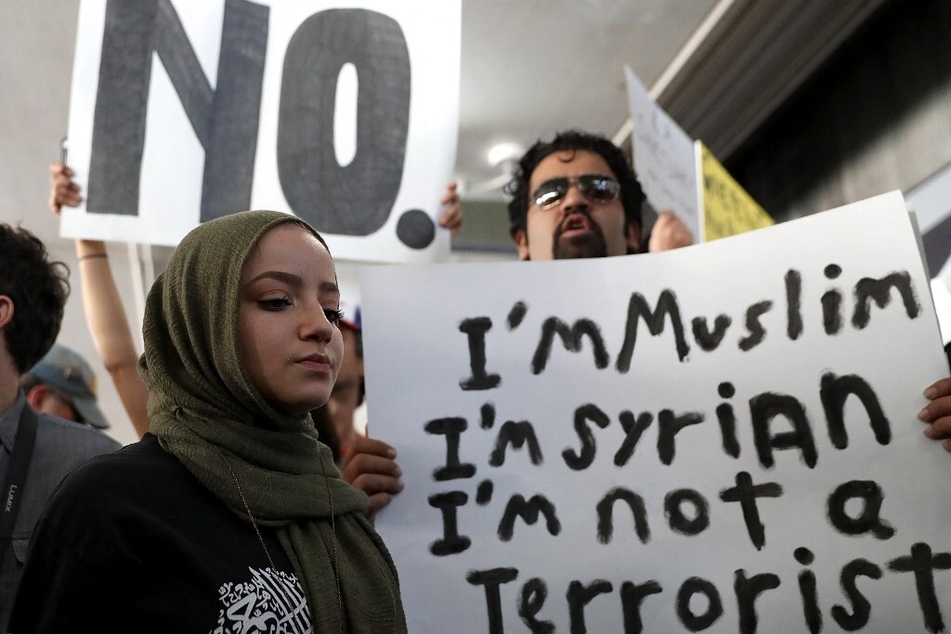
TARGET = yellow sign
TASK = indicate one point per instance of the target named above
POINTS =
(727, 208)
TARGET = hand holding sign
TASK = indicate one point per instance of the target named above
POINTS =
(668, 232)
(937, 413)
(369, 465)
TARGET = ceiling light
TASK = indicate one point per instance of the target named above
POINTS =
(504, 152)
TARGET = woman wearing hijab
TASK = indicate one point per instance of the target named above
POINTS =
(229, 516)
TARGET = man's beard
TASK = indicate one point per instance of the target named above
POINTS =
(590, 245)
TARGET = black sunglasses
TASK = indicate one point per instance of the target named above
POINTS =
(597, 188)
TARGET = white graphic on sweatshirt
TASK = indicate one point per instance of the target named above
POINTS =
(271, 603)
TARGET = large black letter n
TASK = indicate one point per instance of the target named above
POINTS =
(225, 119)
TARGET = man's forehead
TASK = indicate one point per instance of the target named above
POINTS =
(569, 163)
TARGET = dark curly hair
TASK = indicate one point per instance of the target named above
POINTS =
(38, 289)
(632, 196)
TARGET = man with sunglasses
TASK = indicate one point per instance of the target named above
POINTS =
(577, 196)
(36, 448)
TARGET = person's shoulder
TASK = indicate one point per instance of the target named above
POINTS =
(81, 438)
(142, 456)
(120, 475)
(62, 445)
(109, 502)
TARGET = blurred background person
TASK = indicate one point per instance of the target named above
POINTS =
(63, 384)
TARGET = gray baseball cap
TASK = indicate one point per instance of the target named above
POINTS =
(64, 370)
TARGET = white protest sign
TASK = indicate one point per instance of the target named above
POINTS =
(720, 438)
(664, 157)
(344, 114)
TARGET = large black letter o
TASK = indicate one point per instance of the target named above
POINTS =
(357, 199)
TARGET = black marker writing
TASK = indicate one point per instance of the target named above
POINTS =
(572, 339)
(706, 339)
(678, 521)
(861, 608)
(832, 303)
(491, 580)
(670, 425)
(698, 622)
(632, 596)
(528, 510)
(834, 390)
(583, 459)
(745, 492)
(516, 434)
(869, 521)
(754, 326)
(923, 564)
(580, 595)
(807, 590)
(533, 596)
(633, 428)
(451, 429)
(451, 542)
(869, 289)
(793, 281)
(475, 328)
(637, 309)
(727, 420)
(747, 590)
(767, 406)
(605, 511)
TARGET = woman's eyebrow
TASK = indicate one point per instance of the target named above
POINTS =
(280, 276)
(294, 280)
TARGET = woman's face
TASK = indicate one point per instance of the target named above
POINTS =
(288, 337)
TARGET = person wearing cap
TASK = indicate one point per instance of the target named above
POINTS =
(37, 449)
(63, 384)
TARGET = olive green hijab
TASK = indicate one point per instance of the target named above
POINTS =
(205, 411)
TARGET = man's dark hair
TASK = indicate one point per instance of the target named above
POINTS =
(38, 289)
(632, 196)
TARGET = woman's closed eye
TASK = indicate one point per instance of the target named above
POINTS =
(274, 303)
